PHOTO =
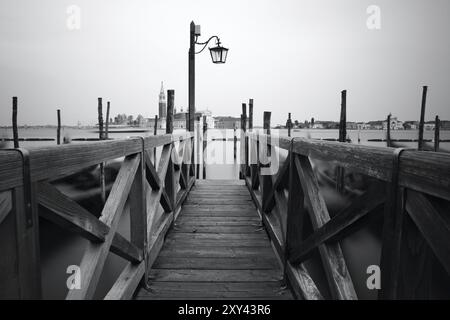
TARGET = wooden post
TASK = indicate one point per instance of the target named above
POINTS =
(197, 147)
(250, 114)
(388, 131)
(295, 210)
(422, 117)
(102, 165)
(234, 142)
(205, 143)
(14, 123)
(343, 120)
(100, 119)
(342, 138)
(107, 121)
(437, 125)
(170, 106)
(169, 179)
(266, 183)
(58, 130)
(266, 122)
(289, 124)
(243, 147)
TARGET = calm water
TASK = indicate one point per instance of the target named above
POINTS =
(59, 249)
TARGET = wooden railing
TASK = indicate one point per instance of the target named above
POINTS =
(141, 185)
(407, 183)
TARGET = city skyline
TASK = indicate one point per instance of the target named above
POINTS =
(289, 56)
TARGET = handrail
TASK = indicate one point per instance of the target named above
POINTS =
(427, 172)
(283, 214)
(142, 187)
(57, 161)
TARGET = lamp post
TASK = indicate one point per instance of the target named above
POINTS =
(218, 55)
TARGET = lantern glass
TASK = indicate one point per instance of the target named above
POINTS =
(218, 54)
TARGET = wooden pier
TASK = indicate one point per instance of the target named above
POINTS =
(218, 248)
(248, 238)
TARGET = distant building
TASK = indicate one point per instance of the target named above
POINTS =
(445, 125)
(227, 122)
(162, 103)
(411, 125)
(363, 126)
(394, 125)
(375, 125)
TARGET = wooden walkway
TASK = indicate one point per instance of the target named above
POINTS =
(217, 249)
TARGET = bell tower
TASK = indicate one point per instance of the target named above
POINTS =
(162, 103)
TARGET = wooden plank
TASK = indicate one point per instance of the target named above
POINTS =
(218, 229)
(57, 161)
(95, 255)
(355, 211)
(68, 214)
(5, 204)
(427, 172)
(150, 172)
(191, 219)
(218, 202)
(127, 282)
(302, 283)
(28, 253)
(217, 263)
(197, 243)
(214, 275)
(215, 236)
(127, 250)
(230, 252)
(215, 290)
(295, 213)
(10, 169)
(333, 261)
(221, 182)
(434, 227)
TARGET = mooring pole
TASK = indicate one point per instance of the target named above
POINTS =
(340, 174)
(388, 131)
(102, 165)
(250, 114)
(170, 106)
(205, 143)
(107, 121)
(437, 128)
(58, 130)
(422, 117)
(197, 147)
(169, 181)
(244, 155)
(14, 123)
(266, 183)
(234, 142)
(289, 124)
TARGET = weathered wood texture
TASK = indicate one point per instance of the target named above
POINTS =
(26, 181)
(294, 187)
(216, 249)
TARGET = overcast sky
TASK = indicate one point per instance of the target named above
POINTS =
(288, 55)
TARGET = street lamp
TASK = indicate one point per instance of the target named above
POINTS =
(218, 55)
